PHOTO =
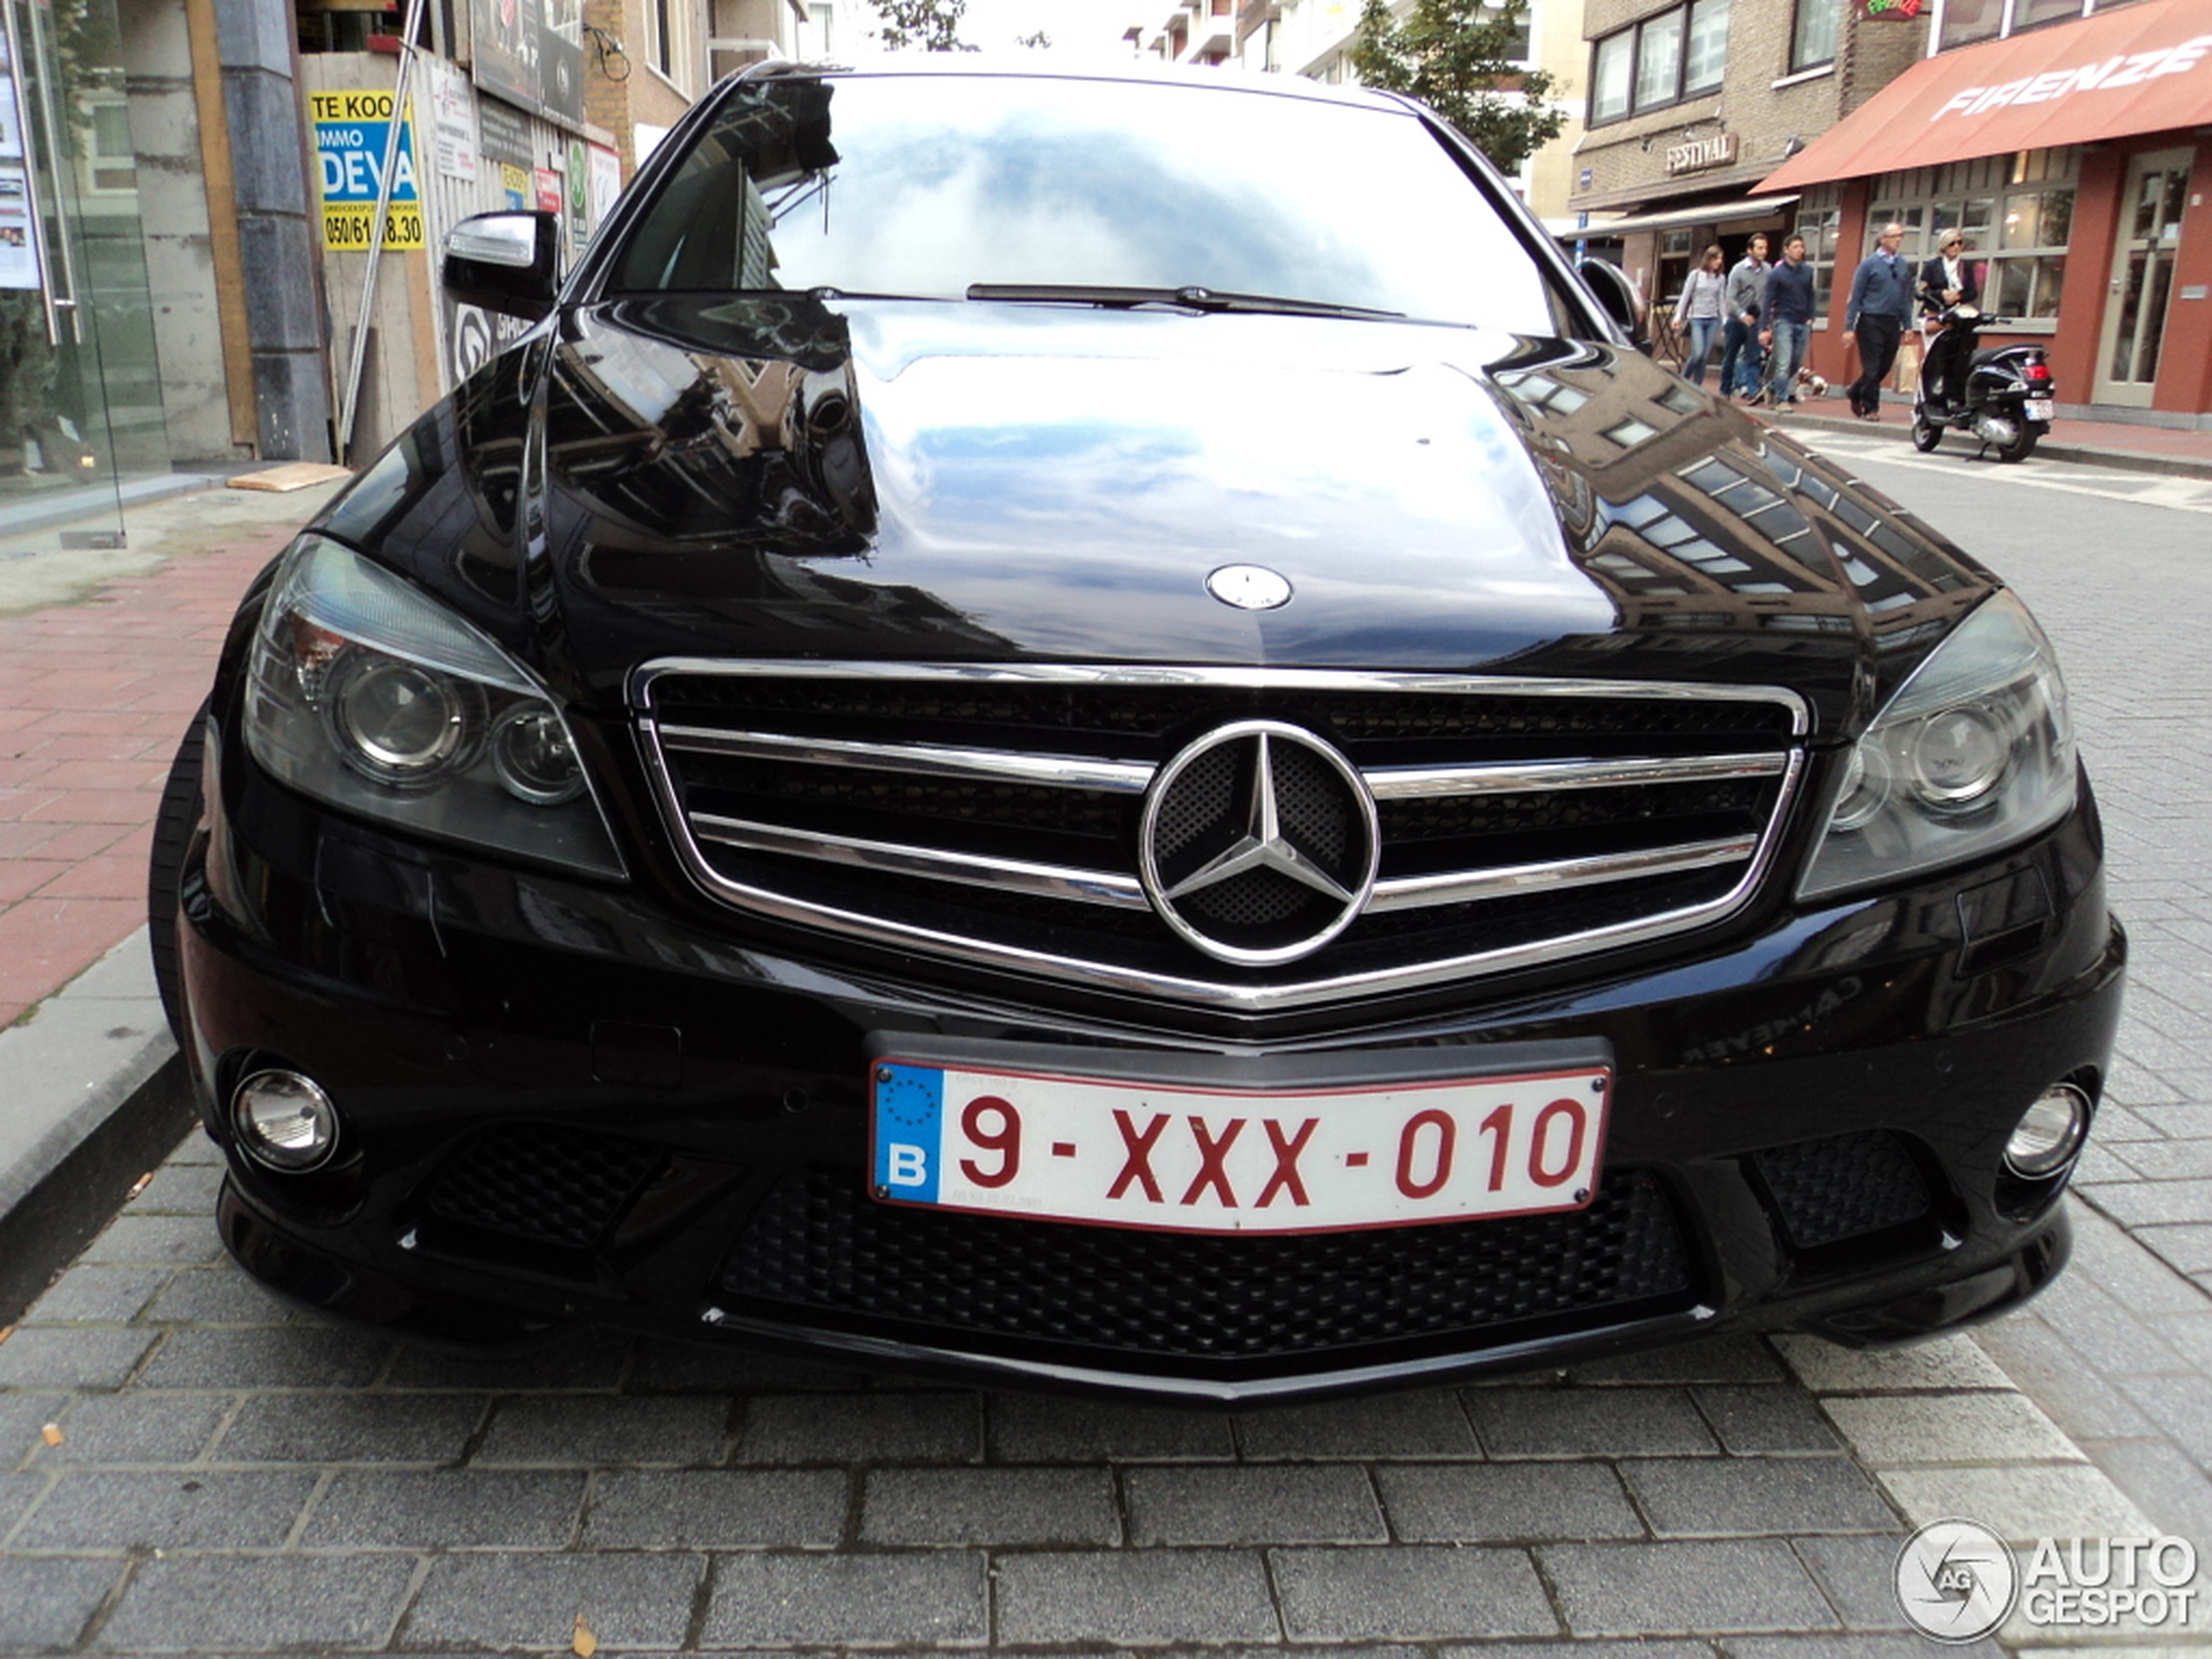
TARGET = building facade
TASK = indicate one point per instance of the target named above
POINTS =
(1692, 104)
(190, 193)
(2071, 142)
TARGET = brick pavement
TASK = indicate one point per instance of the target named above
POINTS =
(185, 1464)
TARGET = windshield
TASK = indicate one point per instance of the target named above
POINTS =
(932, 185)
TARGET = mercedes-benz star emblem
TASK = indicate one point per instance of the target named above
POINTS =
(1249, 587)
(1259, 843)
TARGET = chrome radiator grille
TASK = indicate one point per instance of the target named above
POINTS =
(1243, 839)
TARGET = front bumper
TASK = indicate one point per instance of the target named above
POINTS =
(564, 1104)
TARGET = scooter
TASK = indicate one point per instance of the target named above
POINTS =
(2009, 395)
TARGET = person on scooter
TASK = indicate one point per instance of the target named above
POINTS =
(1947, 280)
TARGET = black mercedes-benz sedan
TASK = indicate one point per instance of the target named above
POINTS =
(1104, 732)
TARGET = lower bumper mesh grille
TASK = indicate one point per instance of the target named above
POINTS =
(1845, 1186)
(817, 1245)
(551, 1185)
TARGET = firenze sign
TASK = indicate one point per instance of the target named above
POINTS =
(2113, 74)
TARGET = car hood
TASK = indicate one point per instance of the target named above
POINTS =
(793, 477)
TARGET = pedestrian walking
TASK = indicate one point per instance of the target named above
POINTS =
(1740, 354)
(1880, 309)
(1700, 311)
(1786, 320)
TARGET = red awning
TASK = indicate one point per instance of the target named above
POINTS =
(2143, 68)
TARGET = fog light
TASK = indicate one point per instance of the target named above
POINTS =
(2049, 1132)
(284, 1121)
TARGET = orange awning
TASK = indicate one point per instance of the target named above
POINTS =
(2143, 68)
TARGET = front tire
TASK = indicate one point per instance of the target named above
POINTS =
(1925, 433)
(174, 825)
(2022, 447)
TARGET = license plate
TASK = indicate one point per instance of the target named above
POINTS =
(2041, 408)
(1121, 1154)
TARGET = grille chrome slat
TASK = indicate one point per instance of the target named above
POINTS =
(867, 798)
(1428, 783)
(1045, 882)
(921, 759)
(1413, 893)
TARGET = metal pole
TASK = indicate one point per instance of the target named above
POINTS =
(352, 403)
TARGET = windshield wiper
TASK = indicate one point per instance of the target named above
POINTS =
(1191, 298)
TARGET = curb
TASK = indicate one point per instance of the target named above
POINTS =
(97, 1097)
(2082, 454)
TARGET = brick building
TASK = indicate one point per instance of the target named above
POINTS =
(1691, 104)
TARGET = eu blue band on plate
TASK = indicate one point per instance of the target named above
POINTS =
(909, 1110)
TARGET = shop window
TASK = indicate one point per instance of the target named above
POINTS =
(1819, 214)
(1965, 22)
(1679, 53)
(1812, 34)
(2017, 215)
(2028, 275)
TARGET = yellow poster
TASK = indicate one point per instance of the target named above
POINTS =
(346, 230)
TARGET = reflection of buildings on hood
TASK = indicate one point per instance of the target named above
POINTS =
(1685, 534)
(716, 446)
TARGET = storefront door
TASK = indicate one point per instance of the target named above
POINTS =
(80, 391)
(2142, 277)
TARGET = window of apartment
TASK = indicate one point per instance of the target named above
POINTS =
(1671, 55)
(1961, 22)
(1812, 33)
(664, 40)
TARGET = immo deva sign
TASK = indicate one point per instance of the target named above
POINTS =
(352, 131)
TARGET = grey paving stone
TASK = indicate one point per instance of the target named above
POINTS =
(1945, 1365)
(1633, 1648)
(2175, 1492)
(1713, 1359)
(858, 1428)
(2179, 1405)
(351, 1427)
(661, 1366)
(991, 1506)
(1859, 1575)
(718, 1509)
(2145, 1204)
(1506, 1502)
(2062, 1381)
(46, 1603)
(22, 1417)
(220, 1295)
(19, 1490)
(72, 1356)
(572, 1430)
(1960, 1428)
(176, 1241)
(1415, 1593)
(1754, 1421)
(1735, 1497)
(181, 1190)
(764, 1600)
(447, 1509)
(1428, 1425)
(167, 1509)
(1587, 1422)
(298, 1356)
(591, 1361)
(1752, 1584)
(1279, 1504)
(1048, 1428)
(1134, 1597)
(525, 1600)
(105, 1295)
(138, 1425)
(203, 1604)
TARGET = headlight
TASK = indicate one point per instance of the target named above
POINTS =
(372, 697)
(1974, 753)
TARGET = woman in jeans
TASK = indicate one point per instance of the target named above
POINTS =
(1699, 313)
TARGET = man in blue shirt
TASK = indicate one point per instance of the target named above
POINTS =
(1787, 316)
(1881, 306)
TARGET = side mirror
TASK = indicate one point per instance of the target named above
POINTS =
(1617, 297)
(505, 262)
